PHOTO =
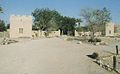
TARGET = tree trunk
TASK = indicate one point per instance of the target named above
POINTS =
(93, 32)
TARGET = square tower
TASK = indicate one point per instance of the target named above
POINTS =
(20, 26)
(109, 29)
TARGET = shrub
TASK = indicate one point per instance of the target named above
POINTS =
(90, 40)
(95, 55)
(94, 40)
(97, 40)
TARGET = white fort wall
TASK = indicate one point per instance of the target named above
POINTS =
(20, 26)
(109, 29)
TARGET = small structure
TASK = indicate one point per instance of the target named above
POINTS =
(117, 30)
(20, 26)
(109, 29)
(76, 33)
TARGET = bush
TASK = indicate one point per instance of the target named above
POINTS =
(95, 55)
(90, 40)
(97, 40)
(94, 40)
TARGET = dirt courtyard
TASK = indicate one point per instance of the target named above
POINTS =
(49, 56)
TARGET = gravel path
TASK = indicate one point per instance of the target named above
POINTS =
(49, 56)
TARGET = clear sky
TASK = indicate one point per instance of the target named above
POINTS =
(64, 7)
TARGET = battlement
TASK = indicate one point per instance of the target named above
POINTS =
(21, 16)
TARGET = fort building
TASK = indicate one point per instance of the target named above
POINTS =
(109, 29)
(20, 26)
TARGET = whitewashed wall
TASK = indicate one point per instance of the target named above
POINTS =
(109, 29)
(17, 22)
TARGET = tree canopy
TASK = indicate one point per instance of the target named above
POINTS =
(68, 25)
(46, 19)
(1, 10)
(2, 23)
(2, 26)
(49, 20)
(96, 19)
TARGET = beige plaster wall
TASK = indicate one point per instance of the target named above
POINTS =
(17, 22)
(109, 29)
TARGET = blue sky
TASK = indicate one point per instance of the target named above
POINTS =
(70, 8)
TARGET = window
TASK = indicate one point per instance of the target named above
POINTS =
(20, 30)
(109, 31)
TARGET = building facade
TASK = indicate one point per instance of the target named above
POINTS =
(117, 30)
(20, 26)
(109, 29)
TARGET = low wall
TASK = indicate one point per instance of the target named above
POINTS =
(4, 34)
(97, 34)
(42, 33)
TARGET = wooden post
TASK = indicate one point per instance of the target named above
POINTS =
(117, 50)
(114, 62)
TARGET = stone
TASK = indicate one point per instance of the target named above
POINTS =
(97, 43)
(79, 42)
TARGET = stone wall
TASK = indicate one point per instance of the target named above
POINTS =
(54, 33)
(42, 33)
(97, 34)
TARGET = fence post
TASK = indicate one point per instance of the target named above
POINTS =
(114, 62)
(117, 52)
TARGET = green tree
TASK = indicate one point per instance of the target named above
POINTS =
(1, 9)
(8, 26)
(96, 19)
(68, 25)
(34, 27)
(46, 19)
(2, 23)
(50, 20)
(103, 17)
(2, 26)
(82, 29)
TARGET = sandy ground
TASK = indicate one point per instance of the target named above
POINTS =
(49, 56)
